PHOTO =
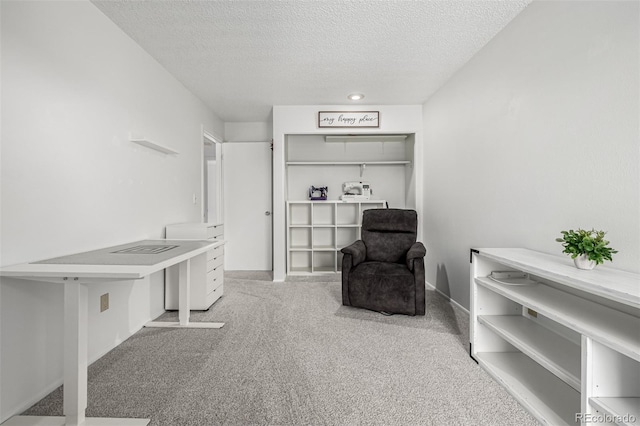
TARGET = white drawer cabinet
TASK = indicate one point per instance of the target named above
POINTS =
(207, 270)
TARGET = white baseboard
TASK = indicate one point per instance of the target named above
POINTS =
(453, 302)
(24, 405)
(55, 384)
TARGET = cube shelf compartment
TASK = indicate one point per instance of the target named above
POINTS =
(299, 214)
(317, 230)
(299, 261)
(348, 214)
(300, 238)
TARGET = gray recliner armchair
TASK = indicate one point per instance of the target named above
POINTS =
(384, 271)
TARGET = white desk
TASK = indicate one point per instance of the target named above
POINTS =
(124, 262)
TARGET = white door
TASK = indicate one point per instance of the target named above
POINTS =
(247, 206)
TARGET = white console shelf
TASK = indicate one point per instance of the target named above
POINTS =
(567, 344)
(317, 230)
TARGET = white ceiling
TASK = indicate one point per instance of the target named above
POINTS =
(241, 57)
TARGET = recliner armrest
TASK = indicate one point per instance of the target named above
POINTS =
(357, 250)
(417, 251)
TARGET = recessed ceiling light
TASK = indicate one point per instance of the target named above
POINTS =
(355, 96)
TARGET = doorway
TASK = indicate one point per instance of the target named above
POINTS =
(212, 193)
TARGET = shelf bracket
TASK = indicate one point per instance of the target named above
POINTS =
(471, 251)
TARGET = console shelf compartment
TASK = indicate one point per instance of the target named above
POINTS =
(626, 411)
(549, 349)
(543, 394)
(566, 346)
(605, 282)
(611, 327)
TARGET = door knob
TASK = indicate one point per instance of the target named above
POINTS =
(267, 213)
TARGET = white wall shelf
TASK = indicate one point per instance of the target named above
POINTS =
(347, 163)
(565, 345)
(365, 138)
(362, 164)
(154, 145)
(318, 230)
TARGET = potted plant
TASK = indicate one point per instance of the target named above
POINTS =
(587, 248)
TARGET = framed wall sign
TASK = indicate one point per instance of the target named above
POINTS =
(359, 119)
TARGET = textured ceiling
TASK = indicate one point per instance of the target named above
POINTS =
(242, 57)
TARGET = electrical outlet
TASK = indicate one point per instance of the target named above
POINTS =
(532, 313)
(104, 302)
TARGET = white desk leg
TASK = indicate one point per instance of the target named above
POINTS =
(76, 319)
(184, 303)
(76, 316)
(184, 298)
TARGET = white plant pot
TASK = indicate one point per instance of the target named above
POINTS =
(583, 262)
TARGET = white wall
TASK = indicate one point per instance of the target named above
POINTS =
(303, 120)
(73, 87)
(247, 131)
(538, 133)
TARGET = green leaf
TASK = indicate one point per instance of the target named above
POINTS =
(591, 243)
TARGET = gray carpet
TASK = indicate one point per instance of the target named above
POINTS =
(291, 354)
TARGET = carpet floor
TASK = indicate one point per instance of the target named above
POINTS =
(291, 354)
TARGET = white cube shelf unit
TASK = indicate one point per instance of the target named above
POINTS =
(317, 230)
(563, 341)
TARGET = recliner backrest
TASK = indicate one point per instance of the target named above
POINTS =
(389, 233)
